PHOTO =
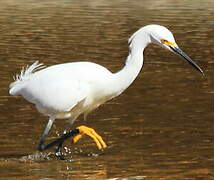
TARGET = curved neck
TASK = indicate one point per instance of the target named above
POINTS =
(134, 62)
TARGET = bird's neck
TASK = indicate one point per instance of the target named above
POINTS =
(134, 62)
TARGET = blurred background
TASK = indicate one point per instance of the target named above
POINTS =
(161, 127)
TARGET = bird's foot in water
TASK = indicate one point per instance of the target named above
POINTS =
(90, 132)
(60, 155)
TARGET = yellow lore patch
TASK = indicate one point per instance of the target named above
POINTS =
(168, 43)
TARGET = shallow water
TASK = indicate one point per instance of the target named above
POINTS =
(159, 128)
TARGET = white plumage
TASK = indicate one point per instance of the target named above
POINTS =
(56, 90)
(70, 89)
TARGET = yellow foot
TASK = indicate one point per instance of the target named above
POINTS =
(90, 132)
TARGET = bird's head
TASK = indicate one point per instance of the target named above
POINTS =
(162, 36)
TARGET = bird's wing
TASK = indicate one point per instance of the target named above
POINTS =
(56, 94)
(61, 87)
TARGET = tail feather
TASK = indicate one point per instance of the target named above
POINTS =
(25, 73)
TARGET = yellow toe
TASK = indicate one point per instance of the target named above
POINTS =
(77, 138)
(90, 132)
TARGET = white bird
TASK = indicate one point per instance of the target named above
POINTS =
(65, 91)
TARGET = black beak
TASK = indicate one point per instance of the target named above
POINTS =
(178, 51)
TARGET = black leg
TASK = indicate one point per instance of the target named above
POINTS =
(58, 151)
(59, 141)
(41, 145)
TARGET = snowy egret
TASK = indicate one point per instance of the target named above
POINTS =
(65, 91)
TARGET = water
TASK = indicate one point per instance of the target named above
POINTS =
(159, 128)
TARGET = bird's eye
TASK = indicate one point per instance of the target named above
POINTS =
(164, 41)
